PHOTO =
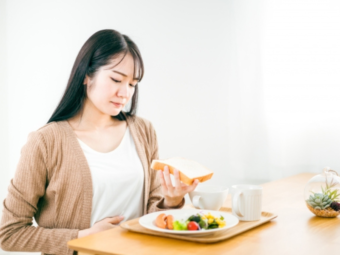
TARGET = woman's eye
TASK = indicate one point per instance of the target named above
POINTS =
(115, 80)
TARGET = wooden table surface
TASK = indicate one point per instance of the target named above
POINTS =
(295, 231)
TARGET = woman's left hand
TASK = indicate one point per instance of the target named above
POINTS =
(173, 195)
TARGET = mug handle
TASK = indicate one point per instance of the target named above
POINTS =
(235, 203)
(197, 202)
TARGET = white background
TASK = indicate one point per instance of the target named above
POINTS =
(250, 89)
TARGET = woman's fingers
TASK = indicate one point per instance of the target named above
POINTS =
(167, 179)
(189, 188)
(115, 220)
(193, 186)
(179, 188)
(163, 184)
(177, 180)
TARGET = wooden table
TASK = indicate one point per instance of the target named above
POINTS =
(295, 231)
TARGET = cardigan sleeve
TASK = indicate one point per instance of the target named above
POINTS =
(20, 205)
(156, 199)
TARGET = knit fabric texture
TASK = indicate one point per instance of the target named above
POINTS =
(53, 185)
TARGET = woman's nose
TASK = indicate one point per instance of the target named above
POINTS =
(123, 90)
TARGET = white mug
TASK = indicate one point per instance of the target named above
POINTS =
(246, 202)
(208, 197)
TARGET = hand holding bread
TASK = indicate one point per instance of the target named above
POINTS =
(187, 171)
(173, 195)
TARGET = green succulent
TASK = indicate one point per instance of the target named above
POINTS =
(332, 194)
(319, 201)
(331, 189)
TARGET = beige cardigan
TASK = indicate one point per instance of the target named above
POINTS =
(53, 184)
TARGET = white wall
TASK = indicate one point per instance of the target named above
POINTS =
(4, 142)
(4, 131)
(183, 47)
(301, 84)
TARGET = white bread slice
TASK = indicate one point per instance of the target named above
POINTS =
(188, 170)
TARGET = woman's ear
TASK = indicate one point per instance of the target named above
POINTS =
(86, 80)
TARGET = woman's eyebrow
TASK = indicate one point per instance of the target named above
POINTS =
(123, 74)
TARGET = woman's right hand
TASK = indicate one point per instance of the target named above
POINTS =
(105, 224)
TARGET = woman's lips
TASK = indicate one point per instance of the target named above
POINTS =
(117, 104)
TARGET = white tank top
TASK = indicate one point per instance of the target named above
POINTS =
(117, 181)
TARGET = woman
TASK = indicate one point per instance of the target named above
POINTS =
(88, 168)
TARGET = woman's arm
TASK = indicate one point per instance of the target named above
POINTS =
(20, 206)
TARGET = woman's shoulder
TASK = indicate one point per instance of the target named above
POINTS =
(49, 131)
(141, 122)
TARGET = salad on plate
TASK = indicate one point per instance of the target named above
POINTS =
(195, 222)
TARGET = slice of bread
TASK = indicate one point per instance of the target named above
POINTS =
(188, 170)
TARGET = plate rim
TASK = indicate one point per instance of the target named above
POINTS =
(187, 232)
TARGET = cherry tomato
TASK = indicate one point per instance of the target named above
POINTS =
(192, 225)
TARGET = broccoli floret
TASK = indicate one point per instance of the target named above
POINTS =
(196, 218)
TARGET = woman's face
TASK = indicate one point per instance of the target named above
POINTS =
(112, 86)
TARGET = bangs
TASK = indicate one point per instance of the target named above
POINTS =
(138, 71)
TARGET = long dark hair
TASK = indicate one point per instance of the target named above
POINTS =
(97, 51)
